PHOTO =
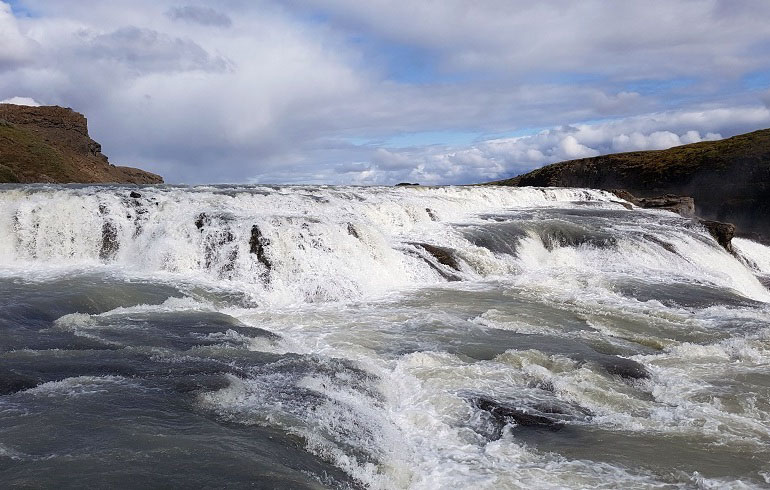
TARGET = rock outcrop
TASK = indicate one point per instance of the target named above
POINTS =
(625, 368)
(722, 232)
(729, 179)
(508, 414)
(51, 145)
(684, 206)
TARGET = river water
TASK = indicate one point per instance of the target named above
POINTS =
(327, 337)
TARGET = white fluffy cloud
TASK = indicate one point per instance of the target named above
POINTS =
(21, 101)
(14, 47)
(506, 157)
(270, 91)
(200, 15)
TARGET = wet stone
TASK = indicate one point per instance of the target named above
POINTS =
(625, 368)
(506, 414)
(257, 245)
(110, 242)
(352, 231)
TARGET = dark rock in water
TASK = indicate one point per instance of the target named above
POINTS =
(202, 220)
(217, 235)
(682, 205)
(561, 234)
(12, 382)
(432, 215)
(403, 184)
(134, 195)
(442, 254)
(352, 231)
(722, 232)
(625, 204)
(625, 195)
(625, 368)
(110, 243)
(667, 246)
(506, 414)
(257, 244)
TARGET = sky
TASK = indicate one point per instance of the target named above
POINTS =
(380, 92)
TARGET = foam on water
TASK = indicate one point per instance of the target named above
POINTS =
(370, 328)
(756, 255)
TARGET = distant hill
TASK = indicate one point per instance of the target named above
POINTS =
(51, 144)
(729, 179)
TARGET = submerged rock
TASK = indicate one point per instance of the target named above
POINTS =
(667, 246)
(134, 195)
(352, 231)
(506, 414)
(218, 238)
(561, 234)
(443, 257)
(12, 382)
(110, 242)
(442, 254)
(625, 368)
(202, 220)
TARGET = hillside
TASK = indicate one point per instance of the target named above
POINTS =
(729, 179)
(51, 144)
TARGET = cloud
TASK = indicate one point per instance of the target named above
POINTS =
(146, 50)
(21, 101)
(505, 157)
(15, 48)
(765, 97)
(200, 15)
(623, 39)
(313, 91)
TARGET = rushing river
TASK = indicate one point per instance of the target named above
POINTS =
(315, 337)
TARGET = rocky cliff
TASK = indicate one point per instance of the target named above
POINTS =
(51, 144)
(729, 179)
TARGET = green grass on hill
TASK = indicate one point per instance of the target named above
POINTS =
(24, 154)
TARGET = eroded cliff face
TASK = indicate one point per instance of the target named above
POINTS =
(51, 144)
(729, 179)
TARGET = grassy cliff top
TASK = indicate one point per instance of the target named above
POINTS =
(51, 144)
(656, 169)
(729, 179)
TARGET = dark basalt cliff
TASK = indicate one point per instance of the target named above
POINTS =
(51, 144)
(729, 179)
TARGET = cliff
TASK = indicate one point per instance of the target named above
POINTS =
(51, 144)
(729, 179)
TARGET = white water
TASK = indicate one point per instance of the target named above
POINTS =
(313, 250)
(372, 297)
